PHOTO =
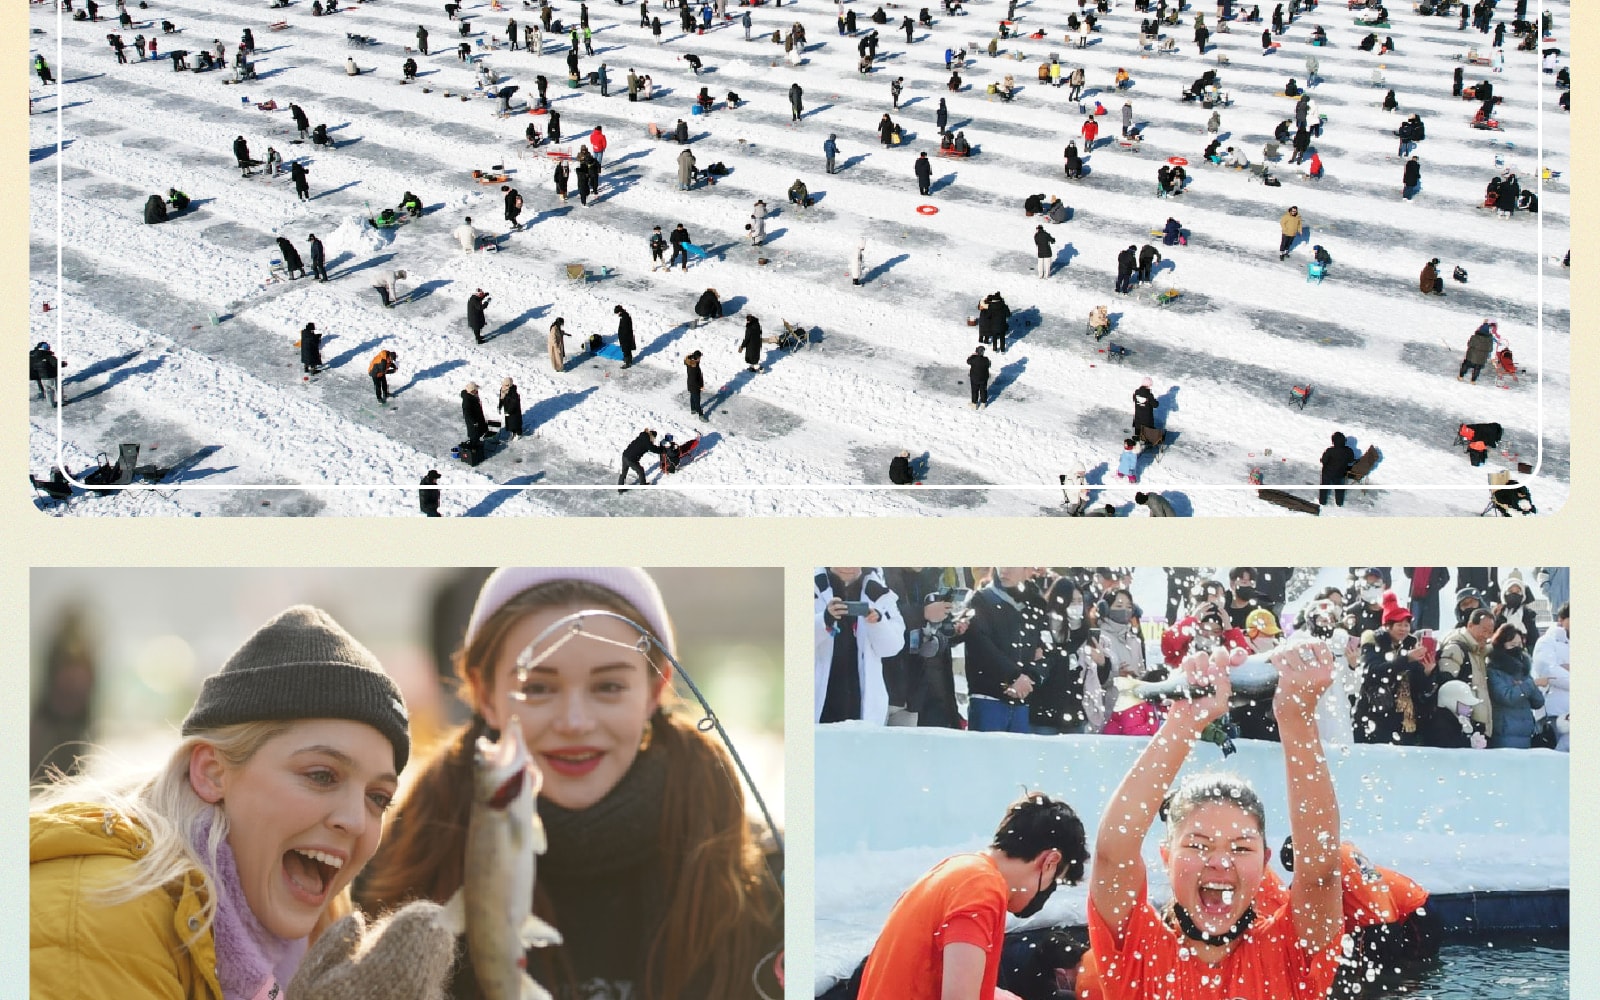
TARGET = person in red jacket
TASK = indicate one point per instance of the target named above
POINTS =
(597, 144)
(1091, 129)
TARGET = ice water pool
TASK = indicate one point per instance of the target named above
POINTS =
(1481, 971)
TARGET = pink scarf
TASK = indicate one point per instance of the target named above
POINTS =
(252, 962)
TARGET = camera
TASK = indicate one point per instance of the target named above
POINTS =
(856, 609)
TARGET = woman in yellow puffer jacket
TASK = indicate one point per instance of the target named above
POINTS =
(210, 879)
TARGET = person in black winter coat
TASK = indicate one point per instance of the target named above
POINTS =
(1127, 262)
(297, 173)
(477, 302)
(511, 407)
(1411, 179)
(291, 258)
(428, 494)
(751, 345)
(1044, 249)
(241, 153)
(44, 369)
(924, 171)
(900, 472)
(310, 349)
(1145, 405)
(978, 377)
(472, 413)
(998, 325)
(1149, 257)
(1336, 461)
(319, 259)
(625, 335)
(696, 382)
(1074, 162)
(708, 307)
(634, 452)
(513, 206)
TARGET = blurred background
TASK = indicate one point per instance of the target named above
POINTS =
(117, 655)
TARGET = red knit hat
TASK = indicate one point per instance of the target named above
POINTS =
(1392, 610)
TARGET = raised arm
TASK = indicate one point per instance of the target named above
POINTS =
(1304, 672)
(1118, 871)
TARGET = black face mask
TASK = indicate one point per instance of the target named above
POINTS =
(1245, 593)
(1513, 600)
(1039, 899)
(1192, 931)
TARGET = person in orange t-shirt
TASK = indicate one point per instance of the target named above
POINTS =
(1213, 942)
(943, 937)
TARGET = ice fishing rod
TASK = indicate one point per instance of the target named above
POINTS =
(573, 624)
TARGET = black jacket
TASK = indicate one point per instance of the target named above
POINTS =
(1396, 693)
(297, 173)
(1413, 172)
(472, 413)
(291, 256)
(637, 448)
(241, 151)
(1148, 256)
(1001, 641)
(1336, 462)
(978, 368)
(1127, 260)
(625, 331)
(299, 115)
(695, 378)
(900, 473)
(511, 406)
(475, 307)
(1144, 407)
(709, 306)
(1043, 242)
(428, 496)
(752, 341)
(42, 363)
(318, 257)
(679, 235)
(923, 167)
(310, 347)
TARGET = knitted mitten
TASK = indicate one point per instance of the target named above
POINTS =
(405, 956)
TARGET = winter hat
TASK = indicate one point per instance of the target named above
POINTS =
(506, 383)
(630, 583)
(1373, 571)
(302, 665)
(1392, 611)
(1514, 580)
(1338, 437)
(1261, 620)
(1453, 693)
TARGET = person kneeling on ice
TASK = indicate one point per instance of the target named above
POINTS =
(218, 867)
(465, 235)
(943, 937)
(707, 308)
(1219, 925)
(900, 472)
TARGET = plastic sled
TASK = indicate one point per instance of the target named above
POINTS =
(1364, 465)
(1167, 297)
(1152, 439)
(1289, 501)
(267, 106)
(697, 252)
(673, 455)
(611, 351)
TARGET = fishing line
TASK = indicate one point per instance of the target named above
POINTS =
(573, 624)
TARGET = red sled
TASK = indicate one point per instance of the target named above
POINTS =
(673, 455)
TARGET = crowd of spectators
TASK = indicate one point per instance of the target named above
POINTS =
(1060, 650)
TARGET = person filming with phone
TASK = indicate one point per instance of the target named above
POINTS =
(857, 626)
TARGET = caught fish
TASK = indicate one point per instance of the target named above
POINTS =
(494, 905)
(1254, 675)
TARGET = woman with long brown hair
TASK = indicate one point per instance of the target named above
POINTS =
(653, 875)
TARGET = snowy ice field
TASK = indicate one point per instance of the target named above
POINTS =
(225, 406)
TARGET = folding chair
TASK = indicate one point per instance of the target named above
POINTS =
(577, 273)
(1315, 271)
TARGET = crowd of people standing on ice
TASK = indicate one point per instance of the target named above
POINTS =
(1054, 651)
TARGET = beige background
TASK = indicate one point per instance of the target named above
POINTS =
(28, 538)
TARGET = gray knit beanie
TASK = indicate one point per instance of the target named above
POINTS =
(303, 665)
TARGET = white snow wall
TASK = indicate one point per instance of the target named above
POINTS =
(891, 802)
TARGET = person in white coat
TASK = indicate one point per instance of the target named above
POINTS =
(858, 261)
(758, 224)
(851, 645)
(1552, 671)
(466, 235)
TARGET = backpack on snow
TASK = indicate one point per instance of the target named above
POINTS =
(155, 210)
(1460, 274)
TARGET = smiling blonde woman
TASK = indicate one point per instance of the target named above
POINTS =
(210, 879)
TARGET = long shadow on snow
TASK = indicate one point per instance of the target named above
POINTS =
(120, 376)
(873, 467)
(491, 502)
(353, 353)
(435, 371)
(1009, 374)
(516, 322)
(100, 367)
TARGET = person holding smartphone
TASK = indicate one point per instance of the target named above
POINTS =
(857, 626)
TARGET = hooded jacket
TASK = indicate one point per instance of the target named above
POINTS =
(84, 950)
(875, 642)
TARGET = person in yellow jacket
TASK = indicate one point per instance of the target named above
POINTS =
(1289, 226)
(210, 879)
